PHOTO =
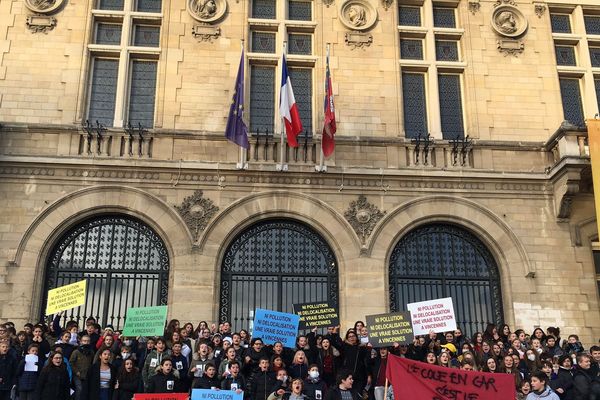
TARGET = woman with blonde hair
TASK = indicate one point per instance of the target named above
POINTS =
(299, 367)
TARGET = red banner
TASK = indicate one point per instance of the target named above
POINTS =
(414, 380)
(161, 396)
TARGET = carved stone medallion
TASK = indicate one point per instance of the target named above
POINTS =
(363, 216)
(508, 21)
(44, 7)
(207, 11)
(197, 211)
(358, 15)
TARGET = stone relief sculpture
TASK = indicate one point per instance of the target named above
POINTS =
(43, 6)
(41, 19)
(207, 11)
(358, 15)
(507, 22)
(511, 25)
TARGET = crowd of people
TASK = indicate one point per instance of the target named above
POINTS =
(61, 361)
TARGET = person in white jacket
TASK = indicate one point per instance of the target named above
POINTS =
(539, 389)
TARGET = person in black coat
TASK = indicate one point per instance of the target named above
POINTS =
(8, 367)
(209, 379)
(563, 380)
(166, 379)
(129, 381)
(355, 360)
(262, 381)
(95, 386)
(234, 379)
(586, 386)
(345, 383)
(314, 387)
(27, 380)
(53, 383)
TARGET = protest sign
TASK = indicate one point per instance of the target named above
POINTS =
(432, 315)
(66, 297)
(161, 396)
(274, 326)
(316, 315)
(387, 329)
(145, 321)
(416, 380)
(207, 394)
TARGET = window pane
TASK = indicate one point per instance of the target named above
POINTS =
(595, 56)
(263, 42)
(446, 50)
(263, 9)
(451, 106)
(592, 24)
(411, 49)
(301, 79)
(410, 16)
(571, 100)
(597, 84)
(300, 10)
(444, 17)
(110, 4)
(104, 91)
(413, 101)
(561, 23)
(262, 98)
(108, 34)
(597, 261)
(153, 6)
(142, 94)
(299, 44)
(147, 36)
(565, 55)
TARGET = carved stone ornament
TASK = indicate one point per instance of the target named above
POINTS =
(206, 32)
(386, 4)
(44, 7)
(358, 15)
(197, 211)
(327, 3)
(207, 11)
(508, 21)
(539, 8)
(363, 216)
(358, 39)
(474, 6)
(511, 47)
(40, 23)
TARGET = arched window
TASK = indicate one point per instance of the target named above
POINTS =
(443, 260)
(273, 265)
(124, 261)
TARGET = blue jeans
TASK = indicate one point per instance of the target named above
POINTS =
(104, 394)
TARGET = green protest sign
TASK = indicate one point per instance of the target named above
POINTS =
(145, 321)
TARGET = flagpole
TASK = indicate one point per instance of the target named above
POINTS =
(322, 167)
(385, 390)
(242, 164)
(282, 166)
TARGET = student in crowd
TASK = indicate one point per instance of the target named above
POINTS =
(154, 360)
(101, 378)
(208, 380)
(27, 380)
(8, 366)
(234, 380)
(129, 381)
(53, 382)
(344, 388)
(81, 361)
(314, 387)
(165, 380)
(539, 388)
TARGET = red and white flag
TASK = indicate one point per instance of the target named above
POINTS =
(329, 128)
(288, 109)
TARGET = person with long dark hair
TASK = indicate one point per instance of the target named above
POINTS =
(166, 379)
(53, 383)
(355, 359)
(101, 378)
(129, 381)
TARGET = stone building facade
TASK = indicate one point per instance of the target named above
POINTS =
(502, 88)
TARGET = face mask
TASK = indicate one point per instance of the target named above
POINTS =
(364, 340)
(531, 357)
(313, 374)
(284, 379)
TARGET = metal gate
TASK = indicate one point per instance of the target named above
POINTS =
(274, 264)
(443, 260)
(125, 263)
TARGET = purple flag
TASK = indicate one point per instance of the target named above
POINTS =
(236, 130)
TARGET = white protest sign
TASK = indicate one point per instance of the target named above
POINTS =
(432, 315)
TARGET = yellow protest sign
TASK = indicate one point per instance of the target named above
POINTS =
(594, 144)
(65, 297)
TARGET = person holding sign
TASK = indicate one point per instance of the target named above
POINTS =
(209, 379)
(166, 379)
(234, 379)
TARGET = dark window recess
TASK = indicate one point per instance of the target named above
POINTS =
(592, 24)
(595, 56)
(299, 44)
(411, 49)
(565, 55)
(301, 79)
(446, 50)
(124, 262)
(153, 6)
(263, 9)
(262, 98)
(103, 91)
(571, 100)
(263, 42)
(414, 104)
(146, 36)
(108, 34)
(410, 16)
(443, 260)
(561, 23)
(597, 84)
(273, 265)
(142, 94)
(451, 106)
(300, 10)
(597, 261)
(444, 17)
(114, 5)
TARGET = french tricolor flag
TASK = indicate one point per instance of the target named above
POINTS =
(288, 108)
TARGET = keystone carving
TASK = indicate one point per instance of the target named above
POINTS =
(197, 211)
(363, 216)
